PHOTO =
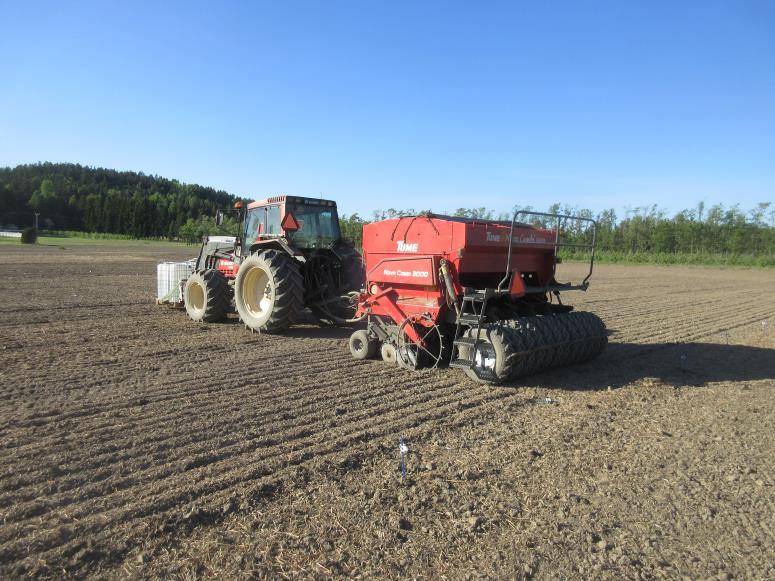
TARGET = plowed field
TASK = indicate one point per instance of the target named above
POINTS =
(134, 442)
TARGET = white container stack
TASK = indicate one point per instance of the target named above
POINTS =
(169, 275)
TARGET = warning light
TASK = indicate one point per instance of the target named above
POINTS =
(238, 205)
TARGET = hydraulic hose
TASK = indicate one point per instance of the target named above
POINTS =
(446, 276)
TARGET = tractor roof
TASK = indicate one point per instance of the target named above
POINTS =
(291, 200)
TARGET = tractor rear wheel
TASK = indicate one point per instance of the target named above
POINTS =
(269, 291)
(206, 296)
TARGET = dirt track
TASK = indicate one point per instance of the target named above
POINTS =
(135, 442)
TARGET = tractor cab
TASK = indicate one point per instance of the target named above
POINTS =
(306, 223)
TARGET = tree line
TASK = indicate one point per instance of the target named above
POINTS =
(75, 197)
(714, 230)
(80, 198)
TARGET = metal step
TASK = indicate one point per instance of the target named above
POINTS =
(474, 299)
(468, 319)
(465, 341)
(462, 363)
(477, 296)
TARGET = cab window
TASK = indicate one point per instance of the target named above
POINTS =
(263, 221)
(273, 220)
(255, 217)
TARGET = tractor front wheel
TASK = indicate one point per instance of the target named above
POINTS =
(269, 291)
(206, 296)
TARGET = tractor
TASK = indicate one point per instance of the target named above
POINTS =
(287, 256)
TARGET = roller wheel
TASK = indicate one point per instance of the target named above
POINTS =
(362, 346)
(206, 296)
(519, 347)
(269, 291)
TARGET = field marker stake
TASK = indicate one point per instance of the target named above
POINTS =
(404, 449)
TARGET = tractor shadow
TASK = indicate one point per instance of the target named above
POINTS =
(317, 332)
(307, 327)
(675, 364)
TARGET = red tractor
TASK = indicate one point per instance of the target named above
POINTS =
(288, 255)
(480, 295)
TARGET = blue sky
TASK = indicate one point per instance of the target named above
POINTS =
(416, 104)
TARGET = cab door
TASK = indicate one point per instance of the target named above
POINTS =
(262, 223)
(272, 221)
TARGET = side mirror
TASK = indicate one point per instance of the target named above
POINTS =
(219, 217)
(289, 222)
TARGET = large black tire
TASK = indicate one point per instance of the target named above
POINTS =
(551, 341)
(344, 288)
(206, 296)
(269, 291)
(527, 345)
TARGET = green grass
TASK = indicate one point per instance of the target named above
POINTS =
(677, 258)
(66, 242)
(87, 235)
(68, 239)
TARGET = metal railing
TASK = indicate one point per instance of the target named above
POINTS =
(561, 221)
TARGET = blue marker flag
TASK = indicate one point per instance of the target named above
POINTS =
(404, 449)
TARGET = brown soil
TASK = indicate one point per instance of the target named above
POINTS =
(135, 442)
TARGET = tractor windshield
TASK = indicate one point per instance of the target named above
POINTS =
(318, 225)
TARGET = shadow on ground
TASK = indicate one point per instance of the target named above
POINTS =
(318, 332)
(307, 327)
(677, 364)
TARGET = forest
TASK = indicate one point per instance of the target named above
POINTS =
(72, 197)
(75, 197)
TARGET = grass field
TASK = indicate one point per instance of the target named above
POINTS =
(77, 242)
(683, 259)
(601, 257)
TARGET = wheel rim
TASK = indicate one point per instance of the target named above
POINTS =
(388, 353)
(409, 352)
(257, 292)
(196, 297)
(486, 359)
